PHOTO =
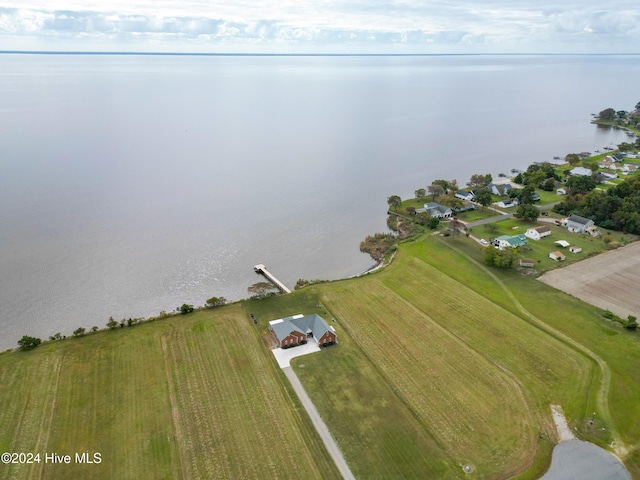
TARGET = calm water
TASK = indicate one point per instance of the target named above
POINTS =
(130, 185)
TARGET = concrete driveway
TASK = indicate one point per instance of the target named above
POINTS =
(283, 357)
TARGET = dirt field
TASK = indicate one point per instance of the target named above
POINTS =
(607, 281)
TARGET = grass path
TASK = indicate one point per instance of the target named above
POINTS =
(174, 415)
(602, 391)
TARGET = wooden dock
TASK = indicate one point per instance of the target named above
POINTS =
(261, 269)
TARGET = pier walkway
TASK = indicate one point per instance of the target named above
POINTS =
(260, 268)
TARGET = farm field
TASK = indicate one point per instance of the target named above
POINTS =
(196, 396)
(485, 402)
(618, 382)
(605, 281)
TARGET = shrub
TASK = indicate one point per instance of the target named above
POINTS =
(28, 343)
(185, 308)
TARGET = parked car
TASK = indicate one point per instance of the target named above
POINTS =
(483, 241)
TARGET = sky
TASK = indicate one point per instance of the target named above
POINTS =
(322, 26)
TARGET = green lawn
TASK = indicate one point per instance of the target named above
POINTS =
(478, 214)
(196, 396)
(548, 197)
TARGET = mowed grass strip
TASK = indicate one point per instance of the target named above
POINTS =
(378, 434)
(619, 348)
(473, 409)
(550, 371)
(207, 405)
(233, 415)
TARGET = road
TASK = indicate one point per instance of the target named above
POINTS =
(319, 424)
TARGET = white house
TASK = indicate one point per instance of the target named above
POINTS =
(561, 191)
(628, 168)
(578, 224)
(557, 256)
(465, 195)
(499, 189)
(537, 233)
(609, 174)
(581, 172)
(512, 202)
(509, 241)
(436, 210)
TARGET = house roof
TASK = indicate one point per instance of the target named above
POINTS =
(558, 254)
(581, 171)
(464, 193)
(562, 243)
(305, 324)
(514, 240)
(436, 206)
(579, 219)
(542, 229)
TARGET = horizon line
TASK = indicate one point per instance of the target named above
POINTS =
(256, 54)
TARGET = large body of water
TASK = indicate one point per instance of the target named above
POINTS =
(131, 185)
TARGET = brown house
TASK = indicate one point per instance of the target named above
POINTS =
(298, 329)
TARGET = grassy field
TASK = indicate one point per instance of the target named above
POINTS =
(619, 349)
(441, 363)
(196, 396)
(478, 378)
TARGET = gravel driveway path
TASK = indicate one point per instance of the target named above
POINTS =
(321, 427)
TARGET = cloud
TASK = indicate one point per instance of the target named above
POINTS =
(497, 25)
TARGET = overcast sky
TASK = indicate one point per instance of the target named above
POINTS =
(323, 26)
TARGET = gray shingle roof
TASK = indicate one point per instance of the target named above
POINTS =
(313, 324)
(579, 219)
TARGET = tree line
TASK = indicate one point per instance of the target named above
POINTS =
(616, 208)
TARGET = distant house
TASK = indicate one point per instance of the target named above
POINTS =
(628, 168)
(608, 174)
(562, 243)
(508, 241)
(436, 210)
(295, 330)
(499, 189)
(512, 202)
(581, 172)
(535, 197)
(606, 163)
(574, 249)
(578, 224)
(465, 195)
(527, 262)
(537, 233)
(561, 191)
(557, 256)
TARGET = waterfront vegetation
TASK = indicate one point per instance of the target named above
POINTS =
(442, 362)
